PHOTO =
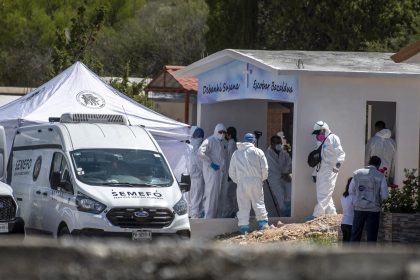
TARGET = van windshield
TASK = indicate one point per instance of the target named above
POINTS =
(111, 167)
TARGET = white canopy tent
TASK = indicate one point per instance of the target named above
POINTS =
(79, 90)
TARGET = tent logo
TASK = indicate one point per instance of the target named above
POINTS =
(90, 99)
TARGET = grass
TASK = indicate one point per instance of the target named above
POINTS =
(322, 240)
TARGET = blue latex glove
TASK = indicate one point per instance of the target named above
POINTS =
(214, 166)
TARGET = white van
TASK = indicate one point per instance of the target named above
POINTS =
(94, 175)
(8, 206)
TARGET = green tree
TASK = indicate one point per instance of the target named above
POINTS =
(133, 90)
(72, 44)
(353, 25)
(28, 34)
(162, 32)
(233, 24)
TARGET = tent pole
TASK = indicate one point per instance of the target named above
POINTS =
(187, 108)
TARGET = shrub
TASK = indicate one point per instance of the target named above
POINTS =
(407, 198)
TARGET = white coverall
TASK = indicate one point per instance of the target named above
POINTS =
(279, 164)
(228, 203)
(212, 150)
(331, 154)
(248, 169)
(197, 181)
(384, 147)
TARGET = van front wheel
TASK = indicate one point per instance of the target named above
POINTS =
(63, 232)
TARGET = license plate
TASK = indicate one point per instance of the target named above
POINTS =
(142, 235)
(4, 227)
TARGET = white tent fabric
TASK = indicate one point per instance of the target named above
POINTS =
(79, 90)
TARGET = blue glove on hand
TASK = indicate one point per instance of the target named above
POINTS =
(214, 166)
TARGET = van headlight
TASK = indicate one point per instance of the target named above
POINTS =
(87, 204)
(181, 207)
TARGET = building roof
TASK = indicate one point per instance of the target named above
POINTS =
(310, 62)
(131, 80)
(407, 52)
(165, 81)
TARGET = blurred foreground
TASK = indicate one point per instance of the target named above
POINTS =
(112, 259)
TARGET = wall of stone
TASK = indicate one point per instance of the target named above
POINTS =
(399, 227)
(118, 260)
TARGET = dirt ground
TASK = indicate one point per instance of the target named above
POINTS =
(323, 228)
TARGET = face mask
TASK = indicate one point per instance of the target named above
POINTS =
(320, 137)
(279, 147)
(196, 141)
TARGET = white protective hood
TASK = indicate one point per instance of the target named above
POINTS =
(78, 90)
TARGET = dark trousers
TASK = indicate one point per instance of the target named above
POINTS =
(371, 219)
(346, 230)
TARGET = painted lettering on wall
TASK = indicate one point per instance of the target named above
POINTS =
(260, 85)
(273, 86)
(220, 87)
(238, 80)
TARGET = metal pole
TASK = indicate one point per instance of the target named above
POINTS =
(274, 199)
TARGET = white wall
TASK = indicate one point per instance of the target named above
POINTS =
(176, 110)
(4, 99)
(341, 102)
(244, 115)
(413, 59)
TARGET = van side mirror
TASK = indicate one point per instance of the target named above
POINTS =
(67, 186)
(185, 184)
(55, 180)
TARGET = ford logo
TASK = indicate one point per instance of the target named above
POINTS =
(141, 214)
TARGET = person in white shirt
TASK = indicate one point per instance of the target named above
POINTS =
(384, 147)
(332, 155)
(196, 174)
(213, 154)
(279, 169)
(348, 213)
(228, 202)
(249, 169)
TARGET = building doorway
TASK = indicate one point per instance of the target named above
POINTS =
(380, 124)
(278, 192)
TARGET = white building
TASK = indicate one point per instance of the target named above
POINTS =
(270, 91)
(9, 94)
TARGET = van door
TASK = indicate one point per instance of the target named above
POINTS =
(60, 193)
(20, 178)
(39, 191)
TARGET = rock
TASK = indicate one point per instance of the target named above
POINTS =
(259, 233)
(324, 227)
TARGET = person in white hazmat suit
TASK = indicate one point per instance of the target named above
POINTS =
(196, 174)
(332, 157)
(384, 147)
(228, 201)
(279, 169)
(249, 169)
(213, 154)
